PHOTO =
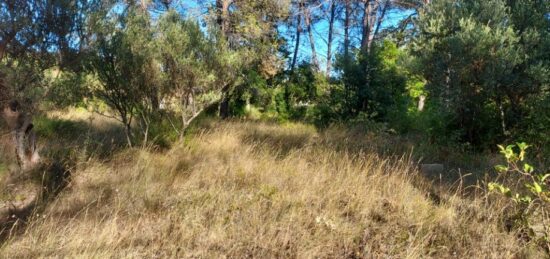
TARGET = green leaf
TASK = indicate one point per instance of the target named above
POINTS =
(509, 153)
(507, 192)
(543, 178)
(528, 168)
(502, 189)
(537, 187)
(522, 145)
(501, 168)
(516, 198)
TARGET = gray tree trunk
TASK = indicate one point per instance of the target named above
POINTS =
(330, 36)
(421, 102)
(347, 24)
(307, 16)
(23, 136)
(297, 42)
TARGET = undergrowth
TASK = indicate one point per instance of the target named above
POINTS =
(242, 189)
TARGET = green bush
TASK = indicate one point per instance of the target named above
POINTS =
(531, 195)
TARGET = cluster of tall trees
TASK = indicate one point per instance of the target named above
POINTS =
(475, 70)
(487, 66)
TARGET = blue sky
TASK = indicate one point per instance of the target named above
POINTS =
(195, 9)
(320, 32)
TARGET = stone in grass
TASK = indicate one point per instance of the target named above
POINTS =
(431, 169)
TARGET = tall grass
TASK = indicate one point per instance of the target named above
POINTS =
(259, 190)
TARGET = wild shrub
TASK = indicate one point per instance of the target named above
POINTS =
(531, 196)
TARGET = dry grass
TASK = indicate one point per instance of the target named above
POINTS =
(259, 190)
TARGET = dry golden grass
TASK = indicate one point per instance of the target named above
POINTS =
(259, 190)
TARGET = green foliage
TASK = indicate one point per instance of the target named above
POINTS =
(21, 79)
(123, 61)
(331, 107)
(479, 59)
(287, 96)
(303, 89)
(534, 127)
(303, 85)
(531, 194)
(189, 60)
(373, 84)
(484, 67)
(53, 129)
(66, 88)
(141, 68)
(35, 36)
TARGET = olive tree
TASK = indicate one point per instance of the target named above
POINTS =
(187, 57)
(122, 57)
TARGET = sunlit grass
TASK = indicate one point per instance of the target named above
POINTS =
(262, 190)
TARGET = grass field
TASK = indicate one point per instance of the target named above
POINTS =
(248, 189)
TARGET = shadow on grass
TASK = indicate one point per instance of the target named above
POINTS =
(87, 138)
(461, 167)
(39, 188)
(63, 143)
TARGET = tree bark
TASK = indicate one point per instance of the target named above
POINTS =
(379, 21)
(224, 103)
(23, 137)
(2, 50)
(297, 41)
(502, 116)
(347, 24)
(222, 13)
(330, 36)
(421, 102)
(307, 16)
(127, 130)
(369, 18)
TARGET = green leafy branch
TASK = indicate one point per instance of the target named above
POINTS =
(534, 198)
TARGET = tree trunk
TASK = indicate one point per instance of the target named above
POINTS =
(224, 103)
(297, 42)
(188, 104)
(330, 35)
(222, 19)
(222, 13)
(307, 17)
(347, 24)
(380, 19)
(127, 130)
(191, 101)
(365, 24)
(144, 4)
(421, 102)
(183, 125)
(145, 125)
(369, 18)
(23, 137)
(2, 49)
(502, 116)
(447, 94)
